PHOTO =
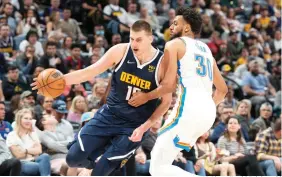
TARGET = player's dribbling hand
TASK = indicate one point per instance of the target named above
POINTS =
(137, 99)
(34, 86)
(137, 135)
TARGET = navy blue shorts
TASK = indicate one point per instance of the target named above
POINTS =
(104, 134)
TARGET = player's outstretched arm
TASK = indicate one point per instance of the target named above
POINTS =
(110, 58)
(158, 113)
(220, 85)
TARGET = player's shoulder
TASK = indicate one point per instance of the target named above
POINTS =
(119, 49)
(120, 46)
(174, 44)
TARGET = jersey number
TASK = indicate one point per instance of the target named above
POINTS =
(204, 66)
(130, 91)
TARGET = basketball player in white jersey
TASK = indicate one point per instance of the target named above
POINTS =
(195, 110)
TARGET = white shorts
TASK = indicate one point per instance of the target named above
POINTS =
(192, 116)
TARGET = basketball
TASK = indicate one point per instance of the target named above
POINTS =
(51, 83)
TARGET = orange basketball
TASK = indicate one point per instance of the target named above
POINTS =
(51, 83)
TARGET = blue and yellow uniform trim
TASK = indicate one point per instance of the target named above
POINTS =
(181, 145)
(175, 120)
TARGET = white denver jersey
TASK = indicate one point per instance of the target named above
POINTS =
(196, 67)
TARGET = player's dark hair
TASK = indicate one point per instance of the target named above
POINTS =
(141, 25)
(192, 17)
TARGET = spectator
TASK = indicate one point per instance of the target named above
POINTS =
(66, 48)
(74, 61)
(14, 106)
(234, 46)
(166, 25)
(32, 39)
(5, 127)
(229, 99)
(275, 44)
(101, 42)
(27, 61)
(47, 106)
(55, 7)
(9, 166)
(219, 129)
(54, 26)
(54, 142)
(25, 145)
(222, 27)
(270, 30)
(6, 42)
(264, 19)
(232, 21)
(163, 8)
(207, 28)
(8, 12)
(98, 91)
(78, 107)
(116, 39)
(29, 23)
(90, 8)
(115, 14)
(51, 59)
(243, 59)
(70, 26)
(63, 126)
(243, 114)
(14, 83)
(254, 85)
(206, 151)
(275, 77)
(150, 18)
(268, 148)
(132, 14)
(263, 121)
(27, 99)
(215, 43)
(232, 141)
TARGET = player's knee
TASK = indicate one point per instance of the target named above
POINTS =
(71, 160)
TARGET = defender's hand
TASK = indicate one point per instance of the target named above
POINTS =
(137, 99)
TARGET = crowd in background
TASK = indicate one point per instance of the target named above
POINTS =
(244, 37)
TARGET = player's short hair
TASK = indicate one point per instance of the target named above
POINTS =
(141, 25)
(192, 17)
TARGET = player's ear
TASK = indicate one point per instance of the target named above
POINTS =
(187, 28)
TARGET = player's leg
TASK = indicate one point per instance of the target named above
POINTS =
(115, 156)
(163, 155)
(85, 150)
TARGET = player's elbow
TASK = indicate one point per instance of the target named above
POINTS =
(224, 90)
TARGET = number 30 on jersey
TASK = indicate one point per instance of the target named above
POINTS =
(204, 67)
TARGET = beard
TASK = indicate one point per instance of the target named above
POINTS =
(176, 35)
